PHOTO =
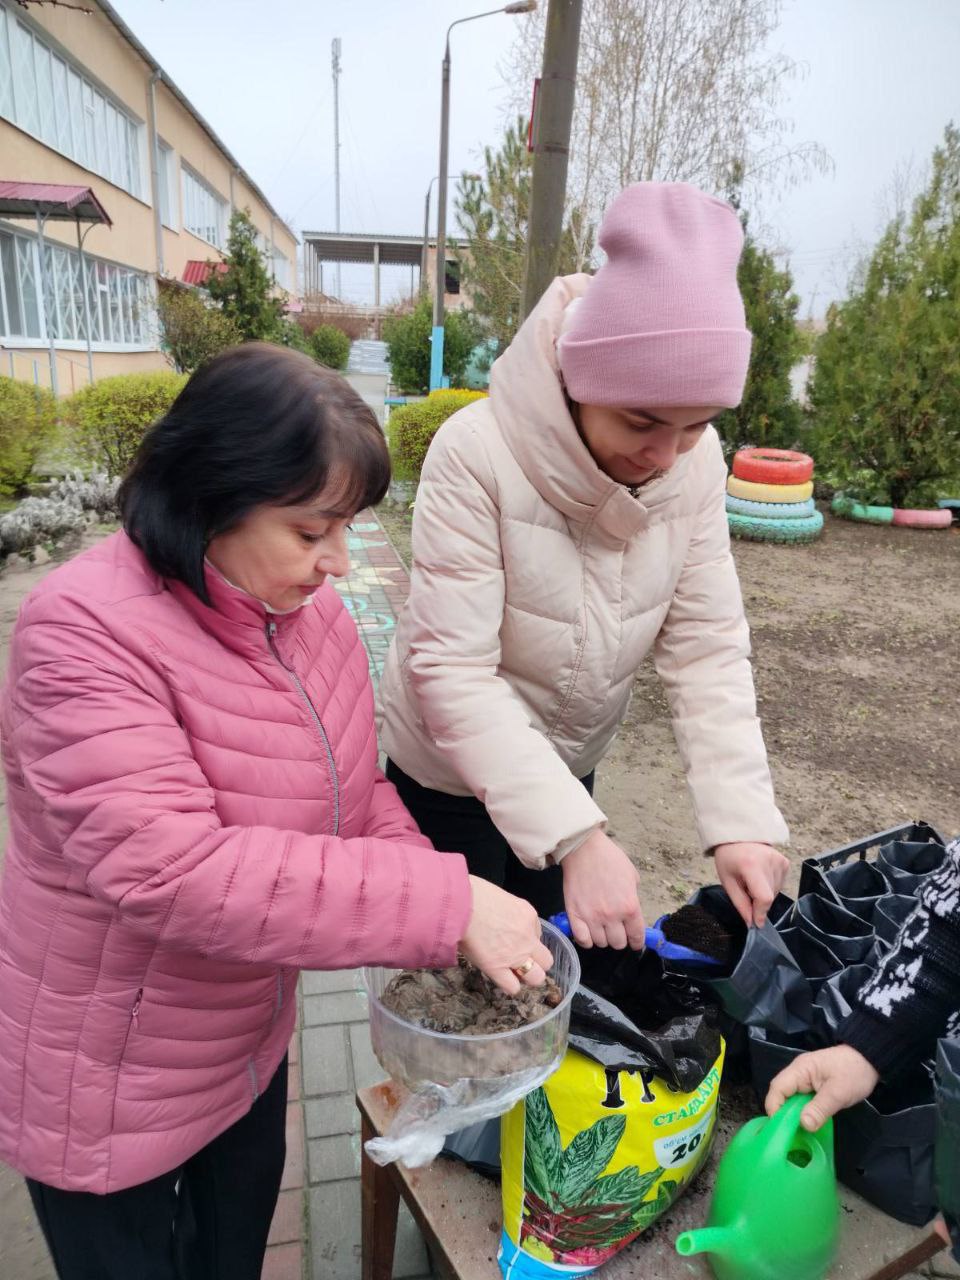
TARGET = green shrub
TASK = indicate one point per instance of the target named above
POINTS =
(412, 427)
(885, 392)
(193, 329)
(768, 415)
(330, 346)
(28, 423)
(408, 340)
(110, 417)
(289, 334)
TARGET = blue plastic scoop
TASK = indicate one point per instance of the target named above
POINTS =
(654, 940)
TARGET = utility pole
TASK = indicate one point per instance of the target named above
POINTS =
(440, 284)
(335, 58)
(551, 148)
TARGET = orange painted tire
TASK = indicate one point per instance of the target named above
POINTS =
(772, 466)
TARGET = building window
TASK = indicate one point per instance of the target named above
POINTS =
(47, 95)
(167, 193)
(451, 281)
(120, 306)
(281, 269)
(204, 212)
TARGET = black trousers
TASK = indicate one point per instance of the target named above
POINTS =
(461, 824)
(207, 1220)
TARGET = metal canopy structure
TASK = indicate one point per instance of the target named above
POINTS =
(51, 201)
(198, 273)
(352, 247)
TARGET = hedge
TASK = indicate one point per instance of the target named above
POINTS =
(110, 417)
(412, 427)
(28, 424)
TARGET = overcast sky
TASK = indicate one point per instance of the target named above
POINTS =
(881, 83)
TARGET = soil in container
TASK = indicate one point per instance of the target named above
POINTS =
(463, 1001)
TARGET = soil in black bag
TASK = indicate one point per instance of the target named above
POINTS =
(462, 1001)
(698, 930)
(649, 993)
(633, 1013)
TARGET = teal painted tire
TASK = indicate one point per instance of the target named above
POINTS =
(770, 510)
(759, 529)
(850, 510)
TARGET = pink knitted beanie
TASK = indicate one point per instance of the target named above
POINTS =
(662, 322)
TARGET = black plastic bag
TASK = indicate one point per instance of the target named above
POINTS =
(947, 1145)
(681, 1052)
(846, 935)
(643, 987)
(907, 863)
(478, 1146)
(765, 988)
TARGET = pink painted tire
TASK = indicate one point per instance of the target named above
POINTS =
(909, 518)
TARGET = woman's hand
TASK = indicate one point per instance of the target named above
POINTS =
(838, 1078)
(502, 936)
(600, 895)
(752, 875)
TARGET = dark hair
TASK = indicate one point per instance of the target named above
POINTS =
(256, 425)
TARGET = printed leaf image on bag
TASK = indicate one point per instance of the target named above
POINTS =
(592, 1158)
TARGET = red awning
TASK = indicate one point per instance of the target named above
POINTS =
(196, 272)
(51, 200)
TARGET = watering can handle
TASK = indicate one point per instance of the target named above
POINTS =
(780, 1129)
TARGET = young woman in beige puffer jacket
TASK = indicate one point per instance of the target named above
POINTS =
(564, 528)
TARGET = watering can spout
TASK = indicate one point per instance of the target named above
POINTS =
(706, 1240)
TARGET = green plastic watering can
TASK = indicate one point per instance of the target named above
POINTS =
(774, 1213)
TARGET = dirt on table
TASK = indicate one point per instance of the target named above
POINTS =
(462, 1001)
(856, 642)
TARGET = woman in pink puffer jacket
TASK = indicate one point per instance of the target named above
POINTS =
(196, 813)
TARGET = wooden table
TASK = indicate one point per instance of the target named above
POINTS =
(460, 1215)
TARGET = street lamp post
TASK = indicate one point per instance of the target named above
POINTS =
(436, 354)
(425, 256)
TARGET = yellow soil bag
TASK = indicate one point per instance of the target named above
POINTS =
(591, 1159)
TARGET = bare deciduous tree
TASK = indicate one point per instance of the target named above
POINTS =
(673, 91)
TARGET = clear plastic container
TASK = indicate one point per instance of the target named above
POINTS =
(412, 1054)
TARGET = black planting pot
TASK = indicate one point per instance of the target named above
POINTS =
(845, 934)
(814, 958)
(835, 998)
(858, 885)
(889, 915)
(907, 863)
(884, 1152)
(769, 1054)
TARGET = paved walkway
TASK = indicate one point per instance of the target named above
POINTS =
(334, 1051)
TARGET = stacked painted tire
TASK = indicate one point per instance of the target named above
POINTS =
(770, 497)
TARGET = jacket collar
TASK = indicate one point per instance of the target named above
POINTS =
(528, 401)
(234, 617)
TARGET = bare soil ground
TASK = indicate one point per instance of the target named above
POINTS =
(857, 657)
